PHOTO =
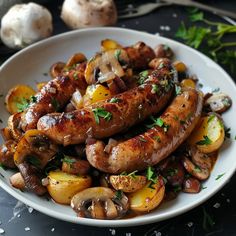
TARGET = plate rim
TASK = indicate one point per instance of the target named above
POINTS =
(122, 222)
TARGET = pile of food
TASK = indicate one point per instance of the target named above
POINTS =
(114, 135)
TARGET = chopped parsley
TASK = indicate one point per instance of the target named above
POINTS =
(155, 89)
(219, 176)
(143, 76)
(158, 122)
(151, 176)
(118, 194)
(211, 118)
(55, 104)
(197, 169)
(132, 174)
(100, 112)
(227, 132)
(22, 105)
(114, 100)
(172, 171)
(215, 90)
(205, 141)
(157, 138)
(68, 160)
(178, 90)
(117, 54)
(204, 187)
(177, 188)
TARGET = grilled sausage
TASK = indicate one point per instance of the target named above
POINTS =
(53, 96)
(106, 118)
(155, 144)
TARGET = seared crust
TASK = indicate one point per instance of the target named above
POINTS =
(155, 144)
(53, 96)
(132, 107)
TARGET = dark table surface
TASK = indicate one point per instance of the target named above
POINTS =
(18, 219)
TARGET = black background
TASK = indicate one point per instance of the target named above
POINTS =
(221, 207)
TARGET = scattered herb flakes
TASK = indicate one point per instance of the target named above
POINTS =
(178, 89)
(114, 100)
(204, 187)
(100, 112)
(200, 85)
(68, 160)
(219, 176)
(118, 194)
(143, 76)
(212, 116)
(159, 122)
(55, 104)
(208, 222)
(33, 99)
(117, 54)
(216, 90)
(155, 89)
(151, 176)
(23, 104)
(142, 139)
(197, 169)
(177, 188)
(205, 141)
(34, 161)
(227, 132)
(157, 138)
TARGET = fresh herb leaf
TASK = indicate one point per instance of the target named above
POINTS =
(227, 132)
(159, 122)
(219, 176)
(100, 112)
(204, 187)
(118, 194)
(205, 141)
(178, 89)
(143, 76)
(117, 54)
(197, 169)
(23, 104)
(196, 16)
(68, 160)
(55, 104)
(155, 89)
(215, 90)
(151, 176)
(212, 116)
(114, 100)
(133, 174)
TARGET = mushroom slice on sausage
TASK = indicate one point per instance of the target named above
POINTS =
(100, 203)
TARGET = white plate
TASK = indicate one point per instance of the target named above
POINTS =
(29, 65)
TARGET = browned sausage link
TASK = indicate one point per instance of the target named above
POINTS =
(31, 177)
(154, 145)
(130, 108)
(140, 55)
(53, 96)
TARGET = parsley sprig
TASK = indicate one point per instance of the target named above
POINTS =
(100, 112)
(151, 176)
(210, 39)
(205, 141)
(24, 103)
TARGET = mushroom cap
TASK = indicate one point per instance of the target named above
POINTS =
(88, 13)
(24, 24)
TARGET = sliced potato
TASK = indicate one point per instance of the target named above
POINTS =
(180, 66)
(95, 93)
(40, 85)
(62, 186)
(17, 97)
(147, 198)
(209, 134)
(108, 44)
(188, 83)
(128, 183)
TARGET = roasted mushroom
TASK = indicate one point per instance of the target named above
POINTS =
(7, 152)
(14, 126)
(162, 50)
(218, 102)
(17, 181)
(100, 203)
(191, 185)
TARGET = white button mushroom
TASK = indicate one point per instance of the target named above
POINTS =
(25, 24)
(88, 13)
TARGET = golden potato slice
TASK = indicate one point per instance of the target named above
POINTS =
(147, 198)
(209, 134)
(128, 183)
(180, 66)
(18, 97)
(188, 83)
(62, 186)
(108, 44)
(95, 93)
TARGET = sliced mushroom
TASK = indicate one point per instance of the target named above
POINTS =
(199, 158)
(7, 151)
(191, 185)
(32, 178)
(17, 181)
(218, 102)
(163, 50)
(36, 148)
(14, 126)
(100, 203)
(107, 64)
(193, 169)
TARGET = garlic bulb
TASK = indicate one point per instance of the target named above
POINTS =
(88, 13)
(25, 24)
